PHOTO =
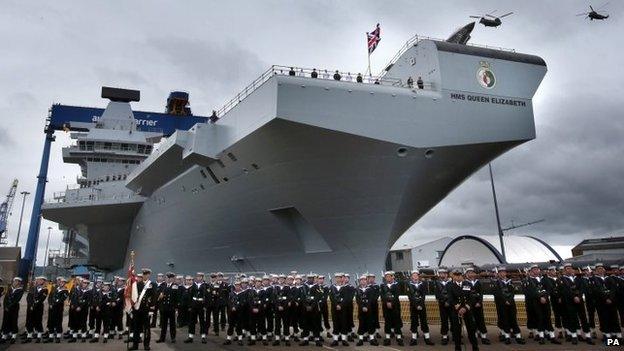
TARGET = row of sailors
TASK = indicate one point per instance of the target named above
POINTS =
(359, 78)
(282, 308)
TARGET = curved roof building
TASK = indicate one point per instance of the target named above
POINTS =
(485, 249)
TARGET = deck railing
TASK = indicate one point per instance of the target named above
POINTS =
(307, 73)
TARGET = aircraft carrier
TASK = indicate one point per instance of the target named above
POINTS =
(299, 173)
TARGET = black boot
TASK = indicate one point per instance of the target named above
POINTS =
(429, 342)
(227, 342)
(359, 343)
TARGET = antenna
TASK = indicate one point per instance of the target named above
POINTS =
(500, 230)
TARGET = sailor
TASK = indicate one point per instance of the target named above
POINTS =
(550, 282)
(605, 298)
(504, 293)
(296, 295)
(212, 296)
(256, 313)
(79, 305)
(420, 83)
(337, 75)
(537, 299)
(441, 294)
(50, 287)
(586, 281)
(323, 306)
(71, 315)
(142, 309)
(375, 303)
(118, 311)
(184, 302)
(572, 299)
(213, 117)
(108, 308)
(359, 78)
(460, 300)
(282, 302)
(269, 311)
(312, 295)
(235, 314)
(11, 305)
(416, 292)
(292, 72)
(95, 311)
(168, 298)
(476, 292)
(244, 308)
(56, 304)
(314, 73)
(348, 78)
(350, 291)
(35, 300)
(391, 306)
(337, 296)
(160, 283)
(197, 295)
(619, 294)
(301, 74)
(222, 299)
(365, 298)
(410, 82)
(325, 76)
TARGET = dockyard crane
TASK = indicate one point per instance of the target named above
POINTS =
(5, 211)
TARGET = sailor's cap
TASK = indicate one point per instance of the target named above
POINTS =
(213, 275)
(311, 275)
(290, 277)
(244, 280)
(298, 276)
(61, 279)
(469, 269)
(363, 277)
(237, 282)
(614, 266)
(146, 271)
(567, 264)
(200, 273)
(219, 274)
(41, 277)
(179, 277)
(99, 280)
(258, 279)
(242, 275)
(552, 268)
(501, 268)
(121, 279)
(320, 276)
(17, 279)
(598, 264)
(533, 266)
(456, 271)
(85, 280)
(293, 272)
(371, 275)
(170, 275)
(338, 274)
(188, 277)
(347, 275)
(106, 283)
(273, 275)
(442, 270)
(622, 267)
(415, 271)
(160, 275)
(389, 273)
(282, 276)
(266, 277)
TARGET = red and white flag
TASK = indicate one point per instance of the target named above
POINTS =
(131, 293)
(373, 38)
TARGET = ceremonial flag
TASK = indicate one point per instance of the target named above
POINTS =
(131, 293)
(373, 38)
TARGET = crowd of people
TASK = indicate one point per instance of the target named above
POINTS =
(284, 309)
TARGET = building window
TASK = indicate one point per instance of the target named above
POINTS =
(398, 255)
(439, 254)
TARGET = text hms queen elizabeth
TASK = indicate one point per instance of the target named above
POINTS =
(488, 99)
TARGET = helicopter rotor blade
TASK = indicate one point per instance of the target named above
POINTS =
(475, 16)
(505, 15)
(583, 14)
(490, 16)
(602, 6)
(590, 6)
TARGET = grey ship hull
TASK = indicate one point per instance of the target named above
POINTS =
(353, 198)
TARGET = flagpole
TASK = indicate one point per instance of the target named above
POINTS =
(370, 73)
(368, 53)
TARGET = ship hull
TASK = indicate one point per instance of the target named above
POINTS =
(298, 197)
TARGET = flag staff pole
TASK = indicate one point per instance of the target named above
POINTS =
(368, 53)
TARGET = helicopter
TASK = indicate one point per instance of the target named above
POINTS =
(593, 14)
(489, 20)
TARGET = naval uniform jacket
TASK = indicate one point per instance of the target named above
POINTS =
(504, 292)
(416, 293)
(36, 297)
(441, 291)
(12, 299)
(169, 297)
(281, 297)
(197, 295)
(476, 293)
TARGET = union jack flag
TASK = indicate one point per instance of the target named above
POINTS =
(373, 38)
(130, 292)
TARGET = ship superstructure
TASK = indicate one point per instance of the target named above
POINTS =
(317, 174)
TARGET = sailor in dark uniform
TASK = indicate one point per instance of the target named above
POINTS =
(196, 298)
(35, 300)
(605, 298)
(282, 302)
(537, 299)
(168, 298)
(141, 323)
(79, 304)
(160, 283)
(269, 310)
(619, 294)
(550, 282)
(183, 302)
(572, 298)
(108, 308)
(460, 299)
(350, 290)
(11, 305)
(256, 312)
(118, 311)
(95, 311)
(364, 298)
(337, 296)
(235, 316)
(441, 294)
(324, 307)
(311, 298)
(296, 319)
(222, 299)
(56, 306)
(375, 303)
(416, 292)
(476, 290)
(504, 292)
(586, 281)
(391, 306)
(212, 296)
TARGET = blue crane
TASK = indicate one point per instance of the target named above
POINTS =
(5, 211)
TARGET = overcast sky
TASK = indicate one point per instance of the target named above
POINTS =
(571, 175)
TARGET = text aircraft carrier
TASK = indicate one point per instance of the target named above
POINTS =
(299, 173)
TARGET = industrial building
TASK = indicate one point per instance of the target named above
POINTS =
(486, 249)
(407, 258)
(609, 249)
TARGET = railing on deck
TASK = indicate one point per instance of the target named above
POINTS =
(416, 38)
(307, 72)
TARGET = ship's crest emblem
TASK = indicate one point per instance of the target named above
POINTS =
(485, 76)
